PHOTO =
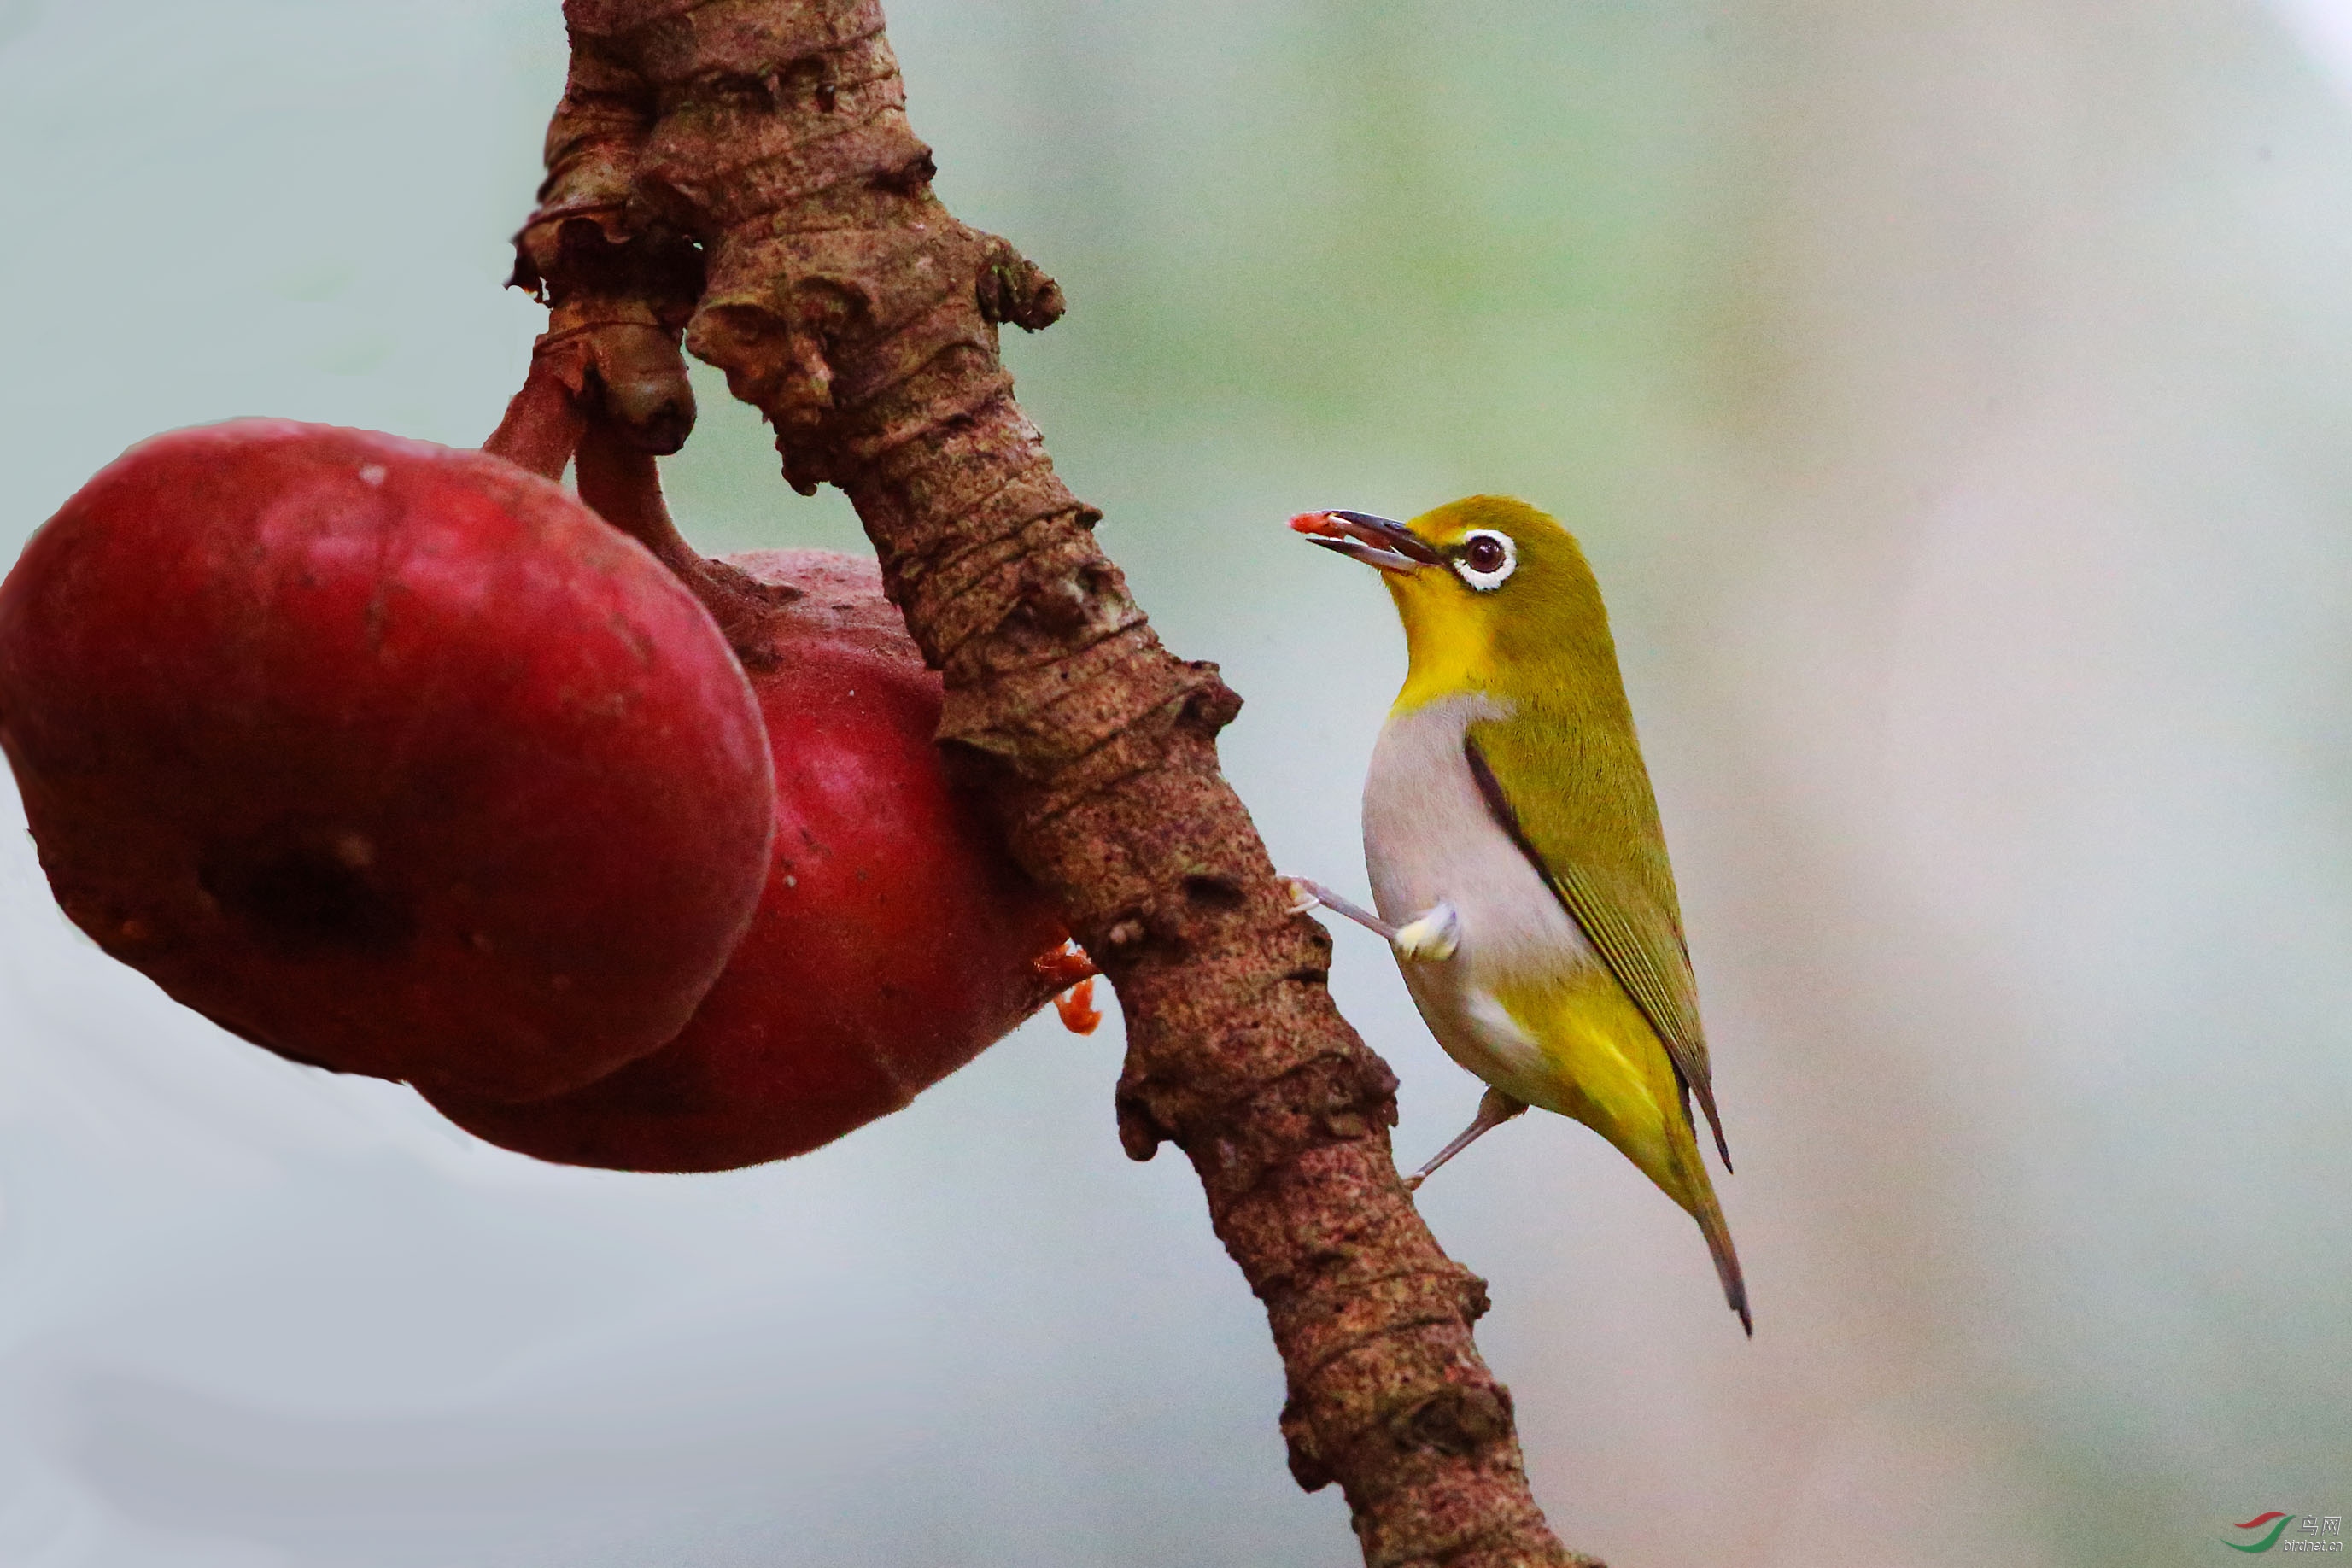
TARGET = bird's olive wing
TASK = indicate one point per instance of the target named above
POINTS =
(1635, 931)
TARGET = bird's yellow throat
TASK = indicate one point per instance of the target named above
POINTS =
(1448, 638)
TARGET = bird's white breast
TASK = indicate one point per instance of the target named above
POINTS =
(1428, 839)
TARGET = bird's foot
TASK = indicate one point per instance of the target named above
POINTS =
(1431, 937)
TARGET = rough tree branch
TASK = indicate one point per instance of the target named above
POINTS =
(742, 171)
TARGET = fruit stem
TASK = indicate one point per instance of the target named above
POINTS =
(542, 423)
(557, 419)
(620, 482)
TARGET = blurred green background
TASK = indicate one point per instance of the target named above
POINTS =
(1954, 401)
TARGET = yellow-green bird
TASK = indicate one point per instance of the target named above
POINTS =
(1515, 851)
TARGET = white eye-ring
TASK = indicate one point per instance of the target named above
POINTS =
(1487, 559)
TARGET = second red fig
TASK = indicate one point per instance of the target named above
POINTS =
(894, 940)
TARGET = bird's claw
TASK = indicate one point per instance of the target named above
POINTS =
(1303, 895)
(1431, 937)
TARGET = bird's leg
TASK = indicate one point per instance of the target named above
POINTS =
(1305, 895)
(1494, 1108)
(1433, 935)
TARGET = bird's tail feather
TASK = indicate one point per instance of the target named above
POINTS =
(1709, 1215)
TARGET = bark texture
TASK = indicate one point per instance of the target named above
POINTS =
(743, 172)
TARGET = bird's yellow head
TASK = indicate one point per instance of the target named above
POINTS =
(1494, 594)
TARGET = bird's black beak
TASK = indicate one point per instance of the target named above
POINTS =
(1374, 541)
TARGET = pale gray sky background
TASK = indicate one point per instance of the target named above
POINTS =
(1956, 402)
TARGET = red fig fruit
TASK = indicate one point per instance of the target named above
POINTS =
(393, 758)
(894, 942)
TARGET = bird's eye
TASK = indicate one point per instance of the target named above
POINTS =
(1485, 559)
